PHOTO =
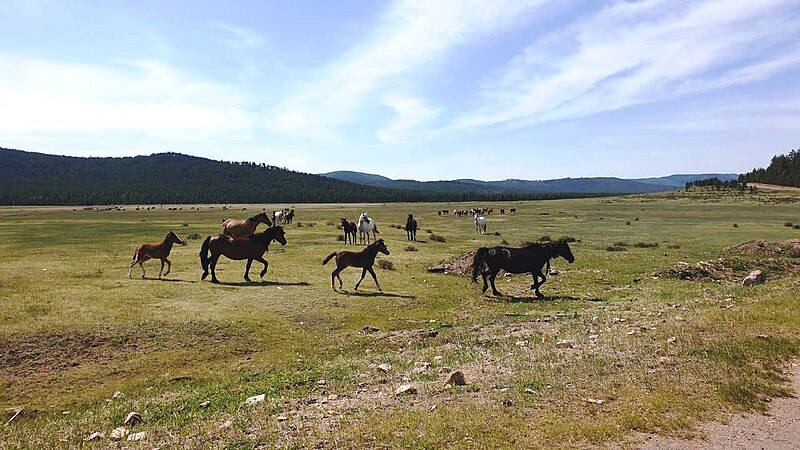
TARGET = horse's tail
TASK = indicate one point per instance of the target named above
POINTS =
(478, 262)
(325, 261)
(204, 255)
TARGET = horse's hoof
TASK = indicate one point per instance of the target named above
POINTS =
(204, 276)
(215, 281)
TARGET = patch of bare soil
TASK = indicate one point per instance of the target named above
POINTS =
(772, 187)
(43, 351)
(765, 248)
(730, 270)
(461, 265)
(779, 428)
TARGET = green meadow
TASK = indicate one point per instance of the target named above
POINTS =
(613, 352)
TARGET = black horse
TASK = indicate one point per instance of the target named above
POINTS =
(530, 258)
(350, 229)
(411, 228)
(290, 216)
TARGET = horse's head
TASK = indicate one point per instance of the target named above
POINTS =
(344, 221)
(563, 250)
(381, 246)
(278, 234)
(172, 237)
(261, 217)
(364, 216)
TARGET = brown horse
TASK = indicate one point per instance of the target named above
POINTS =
(250, 248)
(349, 229)
(155, 251)
(364, 259)
(246, 227)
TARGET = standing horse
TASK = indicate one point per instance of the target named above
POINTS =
(290, 216)
(155, 251)
(364, 259)
(365, 225)
(411, 228)
(480, 224)
(349, 229)
(238, 227)
(250, 248)
(528, 259)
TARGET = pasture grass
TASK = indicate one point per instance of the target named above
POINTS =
(611, 353)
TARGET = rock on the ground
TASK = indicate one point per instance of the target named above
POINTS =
(755, 277)
(205, 404)
(255, 399)
(565, 343)
(437, 268)
(385, 368)
(405, 389)
(133, 418)
(456, 378)
(117, 395)
(118, 434)
(137, 436)
(96, 436)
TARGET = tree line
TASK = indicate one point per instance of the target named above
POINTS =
(783, 170)
(28, 178)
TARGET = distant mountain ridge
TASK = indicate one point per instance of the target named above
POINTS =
(609, 185)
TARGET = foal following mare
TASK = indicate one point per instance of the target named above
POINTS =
(246, 227)
(364, 259)
(349, 229)
(155, 251)
(250, 248)
(528, 259)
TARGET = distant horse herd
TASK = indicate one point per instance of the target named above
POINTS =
(240, 241)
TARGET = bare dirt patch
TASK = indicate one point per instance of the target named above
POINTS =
(772, 187)
(779, 428)
(728, 270)
(461, 265)
(760, 247)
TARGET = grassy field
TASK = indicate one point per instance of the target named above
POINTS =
(612, 353)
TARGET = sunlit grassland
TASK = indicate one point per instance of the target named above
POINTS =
(74, 329)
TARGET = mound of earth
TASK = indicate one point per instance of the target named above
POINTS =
(461, 265)
(731, 270)
(760, 247)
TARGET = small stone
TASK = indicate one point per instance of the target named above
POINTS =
(529, 391)
(96, 436)
(205, 404)
(118, 434)
(763, 336)
(132, 419)
(227, 424)
(384, 368)
(422, 368)
(405, 389)
(456, 378)
(521, 343)
(321, 382)
(371, 329)
(672, 340)
(255, 399)
(137, 436)
(432, 408)
(281, 418)
(595, 401)
(117, 395)
(565, 343)
(755, 277)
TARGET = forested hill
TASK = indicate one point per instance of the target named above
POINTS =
(783, 170)
(28, 178)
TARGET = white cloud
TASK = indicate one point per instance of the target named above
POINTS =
(411, 36)
(411, 114)
(240, 38)
(146, 98)
(637, 52)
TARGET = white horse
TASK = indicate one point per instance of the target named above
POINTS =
(480, 224)
(365, 225)
(279, 216)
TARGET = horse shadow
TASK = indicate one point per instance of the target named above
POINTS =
(169, 280)
(265, 283)
(377, 294)
(533, 299)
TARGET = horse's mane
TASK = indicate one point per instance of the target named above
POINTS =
(255, 218)
(541, 245)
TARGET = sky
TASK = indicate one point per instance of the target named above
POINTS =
(420, 89)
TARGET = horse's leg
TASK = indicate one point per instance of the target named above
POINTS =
(247, 270)
(130, 272)
(492, 277)
(485, 283)
(339, 276)
(141, 266)
(363, 274)
(169, 266)
(265, 263)
(213, 265)
(539, 283)
(334, 274)
(372, 272)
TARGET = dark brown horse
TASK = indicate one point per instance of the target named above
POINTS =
(528, 259)
(349, 229)
(246, 227)
(238, 248)
(411, 228)
(155, 251)
(364, 259)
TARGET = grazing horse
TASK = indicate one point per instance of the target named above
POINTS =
(528, 259)
(365, 225)
(290, 216)
(155, 251)
(411, 228)
(480, 224)
(364, 259)
(238, 227)
(349, 229)
(250, 248)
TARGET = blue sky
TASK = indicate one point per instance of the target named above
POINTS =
(487, 89)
